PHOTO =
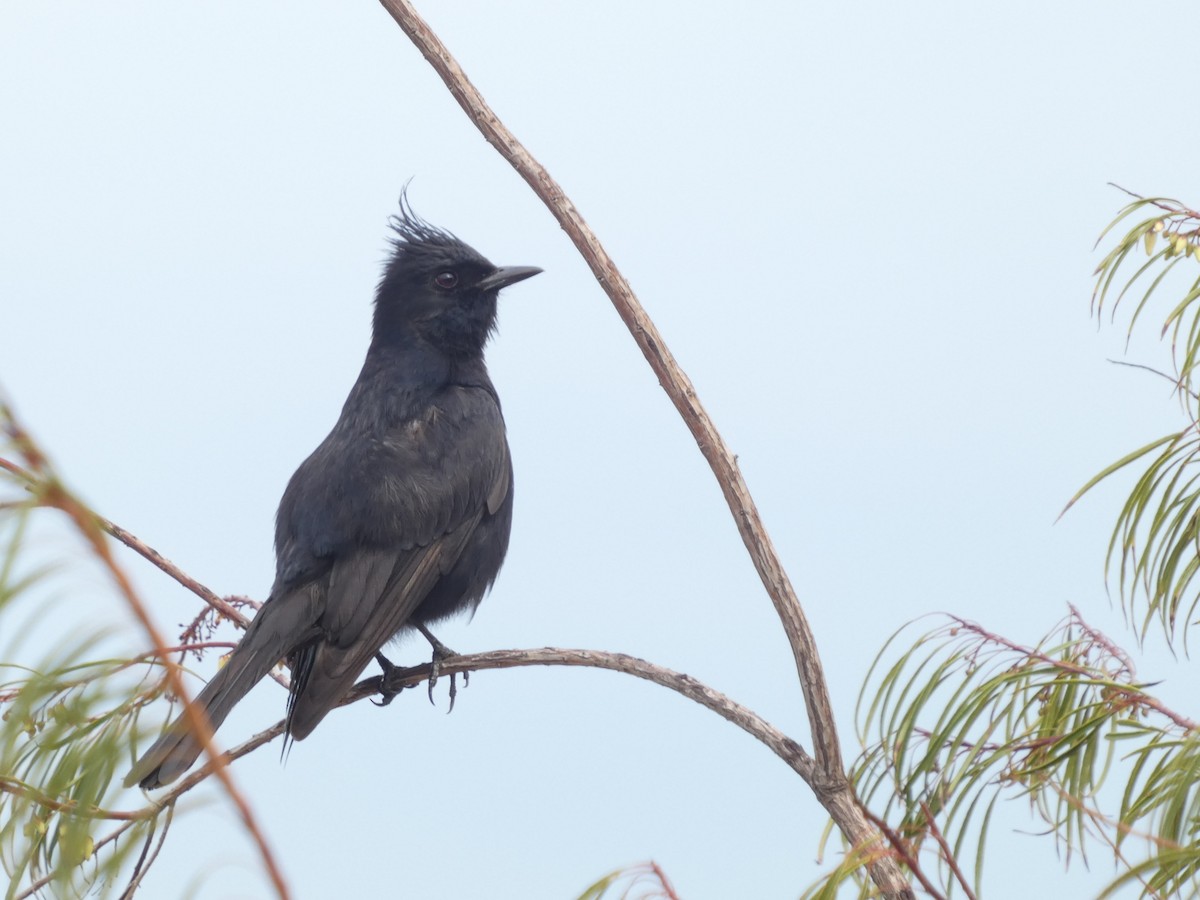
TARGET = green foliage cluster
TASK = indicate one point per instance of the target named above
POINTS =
(965, 718)
(956, 719)
(1154, 546)
(66, 731)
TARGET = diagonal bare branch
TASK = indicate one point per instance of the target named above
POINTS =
(831, 786)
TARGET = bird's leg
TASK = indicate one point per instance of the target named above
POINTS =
(440, 652)
(391, 674)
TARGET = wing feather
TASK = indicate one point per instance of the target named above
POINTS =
(382, 522)
(368, 621)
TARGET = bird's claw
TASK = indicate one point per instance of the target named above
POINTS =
(391, 674)
(440, 652)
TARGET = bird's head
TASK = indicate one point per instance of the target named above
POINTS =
(438, 289)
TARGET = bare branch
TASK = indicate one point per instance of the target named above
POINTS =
(133, 543)
(143, 549)
(832, 786)
(749, 721)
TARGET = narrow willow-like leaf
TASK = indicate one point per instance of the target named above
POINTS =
(1120, 464)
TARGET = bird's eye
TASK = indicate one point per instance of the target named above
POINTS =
(445, 280)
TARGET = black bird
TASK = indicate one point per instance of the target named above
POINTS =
(401, 516)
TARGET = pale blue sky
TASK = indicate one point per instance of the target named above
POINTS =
(864, 229)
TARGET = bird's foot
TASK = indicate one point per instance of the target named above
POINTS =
(440, 652)
(392, 674)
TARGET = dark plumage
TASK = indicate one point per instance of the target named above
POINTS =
(401, 516)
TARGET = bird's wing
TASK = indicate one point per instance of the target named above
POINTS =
(444, 472)
(402, 488)
(372, 594)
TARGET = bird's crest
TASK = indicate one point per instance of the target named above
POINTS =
(411, 231)
(419, 247)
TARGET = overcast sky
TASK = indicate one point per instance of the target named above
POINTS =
(864, 229)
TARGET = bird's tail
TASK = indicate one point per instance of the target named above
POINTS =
(267, 641)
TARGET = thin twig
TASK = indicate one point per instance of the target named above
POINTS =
(1135, 696)
(1177, 383)
(167, 801)
(183, 648)
(222, 606)
(138, 546)
(1097, 821)
(190, 781)
(832, 779)
(901, 848)
(20, 789)
(668, 888)
(1178, 209)
(133, 543)
(1110, 647)
(146, 861)
(947, 853)
(9, 466)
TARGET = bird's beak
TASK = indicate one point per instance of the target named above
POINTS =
(506, 275)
